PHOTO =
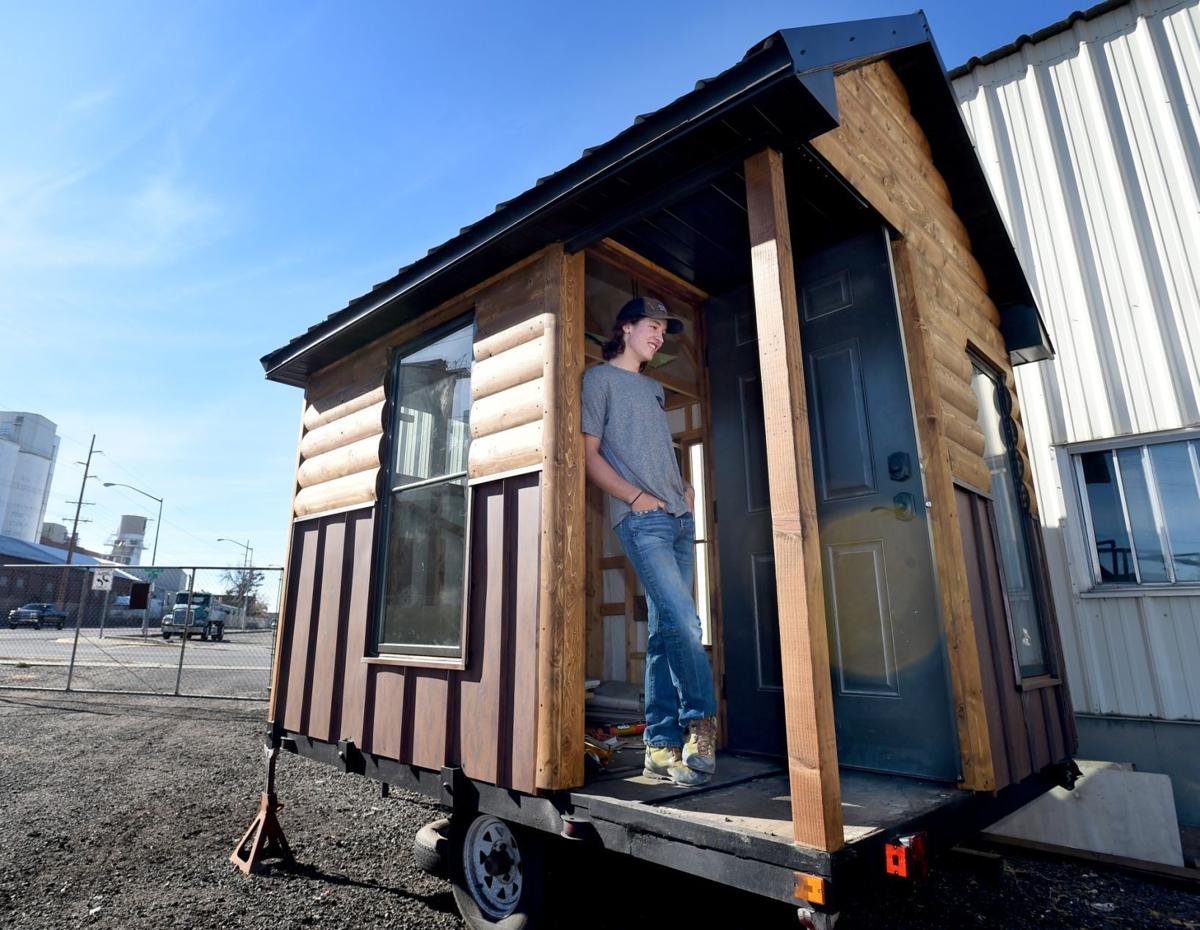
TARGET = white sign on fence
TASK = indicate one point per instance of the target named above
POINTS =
(102, 579)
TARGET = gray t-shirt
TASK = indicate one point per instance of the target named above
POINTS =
(626, 411)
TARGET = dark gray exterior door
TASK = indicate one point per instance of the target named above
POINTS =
(892, 700)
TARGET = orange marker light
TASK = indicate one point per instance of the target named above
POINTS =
(810, 888)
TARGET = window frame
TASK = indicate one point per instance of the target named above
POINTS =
(1048, 674)
(1143, 442)
(412, 654)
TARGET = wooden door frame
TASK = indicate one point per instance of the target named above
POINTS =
(616, 255)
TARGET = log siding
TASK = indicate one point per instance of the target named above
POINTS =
(882, 151)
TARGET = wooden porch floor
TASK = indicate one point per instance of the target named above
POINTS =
(751, 795)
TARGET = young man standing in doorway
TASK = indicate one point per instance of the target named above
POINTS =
(630, 456)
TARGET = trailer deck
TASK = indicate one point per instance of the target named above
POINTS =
(738, 828)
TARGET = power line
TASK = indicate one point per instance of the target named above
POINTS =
(206, 543)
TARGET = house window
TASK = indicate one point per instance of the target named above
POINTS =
(1010, 506)
(1141, 506)
(423, 583)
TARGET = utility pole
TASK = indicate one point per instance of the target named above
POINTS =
(79, 503)
(62, 586)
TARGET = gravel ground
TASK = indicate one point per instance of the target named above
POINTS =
(121, 812)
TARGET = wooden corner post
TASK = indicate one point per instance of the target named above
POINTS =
(803, 638)
(966, 677)
(561, 609)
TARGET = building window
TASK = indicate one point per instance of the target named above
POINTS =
(1141, 506)
(1010, 504)
(423, 588)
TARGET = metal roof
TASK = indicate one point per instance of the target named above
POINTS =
(1040, 36)
(13, 548)
(781, 93)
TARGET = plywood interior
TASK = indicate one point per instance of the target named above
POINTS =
(616, 606)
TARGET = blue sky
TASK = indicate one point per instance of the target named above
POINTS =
(184, 187)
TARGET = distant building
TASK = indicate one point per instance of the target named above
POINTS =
(54, 534)
(15, 551)
(28, 450)
(127, 545)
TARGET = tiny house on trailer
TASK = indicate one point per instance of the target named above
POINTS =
(869, 571)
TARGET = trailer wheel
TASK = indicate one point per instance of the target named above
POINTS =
(496, 872)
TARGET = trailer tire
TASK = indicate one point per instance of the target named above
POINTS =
(430, 847)
(496, 873)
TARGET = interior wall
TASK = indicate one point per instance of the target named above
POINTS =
(616, 607)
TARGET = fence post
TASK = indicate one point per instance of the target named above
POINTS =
(187, 625)
(83, 590)
(104, 613)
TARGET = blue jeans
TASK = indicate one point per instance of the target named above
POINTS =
(679, 685)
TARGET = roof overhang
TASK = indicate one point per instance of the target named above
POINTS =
(780, 94)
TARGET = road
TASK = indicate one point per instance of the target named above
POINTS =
(124, 660)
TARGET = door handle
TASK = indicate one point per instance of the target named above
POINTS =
(904, 507)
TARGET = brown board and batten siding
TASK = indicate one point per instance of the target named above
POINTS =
(486, 716)
(946, 315)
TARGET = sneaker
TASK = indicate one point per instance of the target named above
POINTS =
(665, 763)
(700, 750)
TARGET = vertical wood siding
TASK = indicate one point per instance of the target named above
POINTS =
(1090, 141)
(483, 718)
(1033, 728)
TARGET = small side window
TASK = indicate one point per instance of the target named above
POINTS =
(1009, 501)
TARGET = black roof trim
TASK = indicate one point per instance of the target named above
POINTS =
(1040, 36)
(780, 93)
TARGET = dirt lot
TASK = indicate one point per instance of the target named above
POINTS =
(121, 812)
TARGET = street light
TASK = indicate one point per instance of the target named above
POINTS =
(157, 524)
(249, 554)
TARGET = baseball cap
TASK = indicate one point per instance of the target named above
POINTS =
(649, 307)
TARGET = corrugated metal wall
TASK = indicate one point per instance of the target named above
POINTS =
(1091, 142)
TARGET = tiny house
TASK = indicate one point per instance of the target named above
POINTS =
(870, 575)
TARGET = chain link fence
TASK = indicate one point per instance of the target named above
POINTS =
(170, 630)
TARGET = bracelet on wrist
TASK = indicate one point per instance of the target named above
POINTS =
(635, 498)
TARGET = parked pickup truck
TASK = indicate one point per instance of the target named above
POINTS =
(35, 615)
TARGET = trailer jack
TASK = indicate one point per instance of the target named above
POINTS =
(264, 838)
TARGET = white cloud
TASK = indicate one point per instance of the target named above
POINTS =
(52, 223)
(90, 100)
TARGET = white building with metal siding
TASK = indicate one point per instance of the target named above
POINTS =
(1089, 132)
